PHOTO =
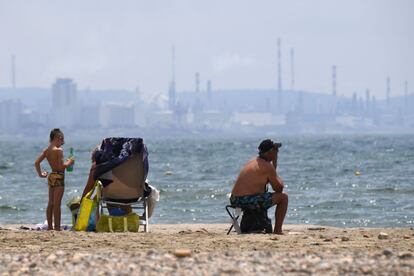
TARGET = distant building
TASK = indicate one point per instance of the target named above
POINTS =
(257, 119)
(161, 119)
(116, 115)
(10, 114)
(64, 93)
(63, 103)
(88, 116)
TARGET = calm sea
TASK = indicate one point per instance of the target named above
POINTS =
(319, 174)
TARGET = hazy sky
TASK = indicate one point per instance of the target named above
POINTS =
(124, 44)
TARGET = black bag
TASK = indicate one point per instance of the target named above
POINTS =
(255, 220)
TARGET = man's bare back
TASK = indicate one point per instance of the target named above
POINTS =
(254, 177)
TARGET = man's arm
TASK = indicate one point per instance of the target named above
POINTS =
(275, 180)
(274, 161)
(39, 160)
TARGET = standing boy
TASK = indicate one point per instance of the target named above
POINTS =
(56, 179)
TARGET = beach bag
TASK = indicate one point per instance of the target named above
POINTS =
(127, 223)
(86, 219)
(255, 220)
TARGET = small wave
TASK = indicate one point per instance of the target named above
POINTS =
(385, 189)
(6, 165)
(10, 207)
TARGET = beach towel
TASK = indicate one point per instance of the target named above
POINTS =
(42, 227)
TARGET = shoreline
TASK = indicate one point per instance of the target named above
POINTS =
(304, 249)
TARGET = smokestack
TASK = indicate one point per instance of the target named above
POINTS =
(354, 103)
(388, 91)
(13, 71)
(406, 95)
(197, 82)
(367, 101)
(279, 66)
(292, 68)
(374, 105)
(334, 80)
(137, 93)
(209, 89)
(171, 91)
(279, 76)
(173, 63)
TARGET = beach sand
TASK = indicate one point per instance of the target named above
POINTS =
(303, 250)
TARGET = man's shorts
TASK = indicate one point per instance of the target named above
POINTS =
(258, 200)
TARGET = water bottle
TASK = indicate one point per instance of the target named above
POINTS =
(70, 168)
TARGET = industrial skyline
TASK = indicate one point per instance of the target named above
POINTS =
(172, 90)
(233, 44)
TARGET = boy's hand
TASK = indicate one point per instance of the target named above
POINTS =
(71, 161)
(43, 174)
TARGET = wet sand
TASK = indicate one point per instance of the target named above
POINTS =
(303, 250)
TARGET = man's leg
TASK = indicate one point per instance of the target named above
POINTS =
(281, 200)
(49, 209)
(57, 199)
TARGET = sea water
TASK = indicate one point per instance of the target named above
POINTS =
(350, 181)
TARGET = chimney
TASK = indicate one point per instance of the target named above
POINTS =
(279, 76)
(292, 68)
(172, 89)
(334, 80)
(13, 71)
(209, 90)
(388, 91)
(367, 101)
(279, 66)
(197, 82)
(406, 95)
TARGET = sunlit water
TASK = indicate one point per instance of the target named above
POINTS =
(319, 175)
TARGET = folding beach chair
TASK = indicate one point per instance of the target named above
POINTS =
(256, 220)
(123, 183)
(235, 213)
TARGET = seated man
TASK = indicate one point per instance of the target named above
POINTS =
(251, 183)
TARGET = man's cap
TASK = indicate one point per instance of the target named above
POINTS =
(267, 145)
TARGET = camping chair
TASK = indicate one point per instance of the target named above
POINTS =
(235, 212)
(127, 188)
(256, 220)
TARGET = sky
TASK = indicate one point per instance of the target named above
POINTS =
(104, 44)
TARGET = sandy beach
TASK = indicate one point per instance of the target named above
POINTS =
(303, 250)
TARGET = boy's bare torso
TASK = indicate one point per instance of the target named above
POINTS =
(54, 156)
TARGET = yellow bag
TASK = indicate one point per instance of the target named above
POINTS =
(127, 223)
(87, 208)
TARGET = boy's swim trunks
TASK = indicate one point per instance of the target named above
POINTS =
(56, 179)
